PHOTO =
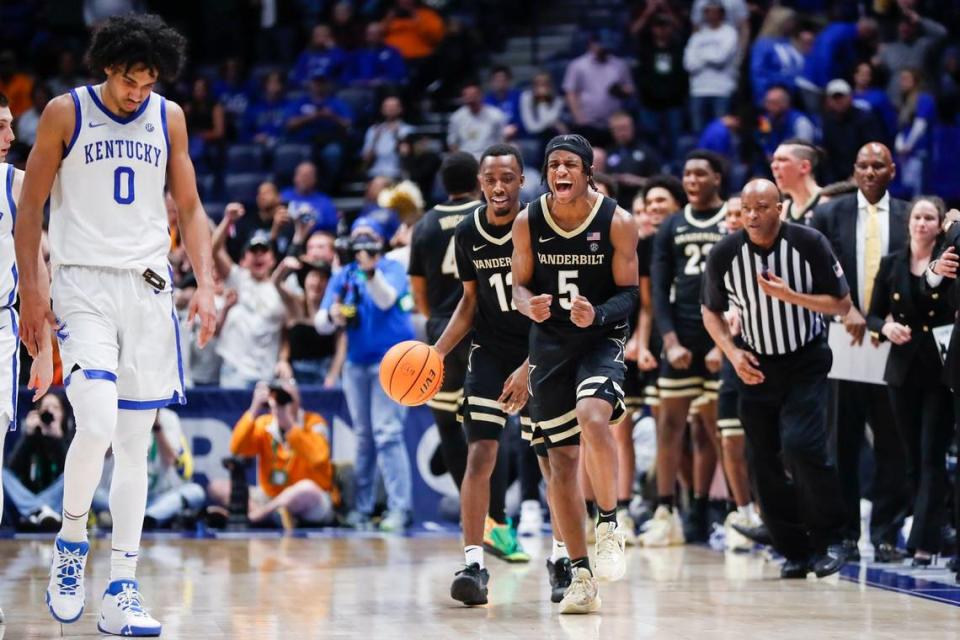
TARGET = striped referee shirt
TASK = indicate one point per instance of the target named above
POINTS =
(802, 257)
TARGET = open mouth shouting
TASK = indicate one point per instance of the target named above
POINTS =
(563, 187)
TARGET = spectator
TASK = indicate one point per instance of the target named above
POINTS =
(505, 97)
(33, 477)
(322, 57)
(375, 64)
(723, 136)
(420, 160)
(272, 217)
(868, 95)
(67, 77)
(28, 121)
(292, 447)
(916, 38)
(541, 108)
(232, 90)
(304, 199)
(780, 122)
(206, 119)
(14, 83)
(475, 125)
(250, 338)
(662, 82)
(264, 120)
(369, 298)
(915, 119)
(413, 30)
(834, 55)
(736, 13)
(793, 166)
(710, 58)
(323, 120)
(380, 145)
(845, 130)
(347, 28)
(774, 59)
(596, 84)
(629, 161)
(204, 364)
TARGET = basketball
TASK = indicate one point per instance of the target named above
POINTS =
(411, 372)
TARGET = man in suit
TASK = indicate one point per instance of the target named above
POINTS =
(863, 227)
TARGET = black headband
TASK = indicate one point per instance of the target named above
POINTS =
(574, 144)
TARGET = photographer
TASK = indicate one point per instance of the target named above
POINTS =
(250, 338)
(304, 200)
(369, 296)
(292, 448)
(33, 478)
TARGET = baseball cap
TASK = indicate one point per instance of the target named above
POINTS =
(839, 87)
(259, 238)
(366, 222)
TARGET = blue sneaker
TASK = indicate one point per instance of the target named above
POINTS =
(65, 592)
(122, 612)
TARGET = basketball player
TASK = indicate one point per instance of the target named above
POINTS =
(691, 363)
(496, 381)
(103, 154)
(569, 241)
(41, 372)
(793, 165)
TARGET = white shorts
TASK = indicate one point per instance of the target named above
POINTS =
(112, 325)
(9, 367)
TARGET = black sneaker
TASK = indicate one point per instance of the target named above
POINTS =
(795, 569)
(759, 534)
(561, 575)
(470, 585)
(888, 554)
(832, 561)
(695, 524)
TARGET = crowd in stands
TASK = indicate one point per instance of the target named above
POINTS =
(316, 123)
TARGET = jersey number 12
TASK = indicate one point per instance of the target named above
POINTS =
(502, 286)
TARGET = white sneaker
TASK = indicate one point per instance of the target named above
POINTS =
(611, 561)
(122, 612)
(627, 527)
(531, 518)
(583, 594)
(663, 530)
(65, 593)
(734, 540)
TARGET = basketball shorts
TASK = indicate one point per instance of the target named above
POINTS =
(564, 371)
(10, 371)
(695, 380)
(728, 414)
(450, 395)
(482, 416)
(112, 325)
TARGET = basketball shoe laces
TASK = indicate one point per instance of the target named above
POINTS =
(69, 572)
(128, 601)
(609, 544)
(580, 589)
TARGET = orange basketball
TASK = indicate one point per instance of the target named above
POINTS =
(411, 372)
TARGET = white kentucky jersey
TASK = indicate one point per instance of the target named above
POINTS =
(8, 262)
(107, 207)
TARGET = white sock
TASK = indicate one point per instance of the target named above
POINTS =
(559, 551)
(95, 410)
(748, 511)
(473, 555)
(128, 491)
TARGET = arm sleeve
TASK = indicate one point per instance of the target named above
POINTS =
(880, 299)
(620, 306)
(661, 278)
(244, 440)
(713, 293)
(827, 273)
(465, 267)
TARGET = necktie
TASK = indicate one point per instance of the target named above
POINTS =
(871, 254)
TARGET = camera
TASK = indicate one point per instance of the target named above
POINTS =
(301, 212)
(46, 418)
(348, 247)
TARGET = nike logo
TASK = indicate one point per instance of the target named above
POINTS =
(94, 125)
(683, 228)
(621, 326)
(542, 239)
(130, 555)
(477, 248)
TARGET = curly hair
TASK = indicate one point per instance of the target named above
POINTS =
(137, 39)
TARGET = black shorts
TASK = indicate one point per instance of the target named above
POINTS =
(728, 411)
(450, 395)
(565, 369)
(695, 380)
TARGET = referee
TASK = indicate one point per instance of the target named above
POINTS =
(780, 278)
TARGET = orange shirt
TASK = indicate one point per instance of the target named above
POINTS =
(18, 91)
(303, 455)
(416, 36)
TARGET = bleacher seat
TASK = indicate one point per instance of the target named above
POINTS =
(244, 158)
(242, 187)
(207, 186)
(361, 103)
(286, 157)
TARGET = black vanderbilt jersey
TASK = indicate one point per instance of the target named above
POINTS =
(484, 253)
(432, 255)
(567, 263)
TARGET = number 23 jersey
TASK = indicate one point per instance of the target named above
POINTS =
(107, 204)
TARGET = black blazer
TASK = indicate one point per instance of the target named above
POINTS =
(837, 220)
(919, 359)
(951, 364)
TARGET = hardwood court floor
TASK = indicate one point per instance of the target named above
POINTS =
(393, 587)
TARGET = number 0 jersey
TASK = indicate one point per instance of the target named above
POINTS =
(484, 254)
(567, 263)
(107, 207)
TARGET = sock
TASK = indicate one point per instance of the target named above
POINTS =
(123, 564)
(591, 508)
(623, 504)
(472, 554)
(609, 517)
(581, 563)
(748, 511)
(665, 501)
(559, 551)
(698, 504)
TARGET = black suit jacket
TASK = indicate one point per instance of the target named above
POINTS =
(917, 361)
(952, 362)
(837, 220)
